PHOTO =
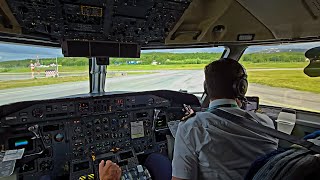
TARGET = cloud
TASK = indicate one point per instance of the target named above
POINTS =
(20, 52)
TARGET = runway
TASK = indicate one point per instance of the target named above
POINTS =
(190, 80)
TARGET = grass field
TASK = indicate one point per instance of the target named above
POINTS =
(161, 67)
(48, 81)
(272, 65)
(294, 79)
(61, 69)
(40, 82)
(201, 66)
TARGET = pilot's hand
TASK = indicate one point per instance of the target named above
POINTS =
(240, 103)
(109, 171)
(189, 112)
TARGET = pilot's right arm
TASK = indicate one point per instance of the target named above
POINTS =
(185, 161)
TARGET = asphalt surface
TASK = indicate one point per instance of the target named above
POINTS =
(191, 80)
(23, 76)
(27, 75)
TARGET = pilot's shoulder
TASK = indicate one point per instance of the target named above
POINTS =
(266, 120)
(196, 120)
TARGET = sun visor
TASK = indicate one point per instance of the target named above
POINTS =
(73, 48)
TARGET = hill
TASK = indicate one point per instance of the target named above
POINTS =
(167, 59)
(20, 52)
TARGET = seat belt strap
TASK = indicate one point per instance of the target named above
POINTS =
(252, 125)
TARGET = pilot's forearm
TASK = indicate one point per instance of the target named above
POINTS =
(175, 178)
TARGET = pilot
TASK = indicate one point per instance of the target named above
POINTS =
(210, 147)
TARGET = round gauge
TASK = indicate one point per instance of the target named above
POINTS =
(114, 122)
(59, 137)
(38, 113)
(105, 120)
(150, 101)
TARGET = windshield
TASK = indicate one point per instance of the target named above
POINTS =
(275, 73)
(173, 69)
(35, 73)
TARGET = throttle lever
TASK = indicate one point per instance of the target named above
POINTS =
(155, 118)
(35, 130)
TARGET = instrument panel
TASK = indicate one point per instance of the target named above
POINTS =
(62, 136)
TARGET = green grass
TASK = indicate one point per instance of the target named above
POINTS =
(274, 65)
(52, 80)
(40, 82)
(294, 79)
(247, 65)
(201, 66)
(61, 69)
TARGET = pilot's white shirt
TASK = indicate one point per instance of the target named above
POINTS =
(210, 147)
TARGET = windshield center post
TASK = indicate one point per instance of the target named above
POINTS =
(97, 73)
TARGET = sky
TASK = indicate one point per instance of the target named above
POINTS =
(18, 52)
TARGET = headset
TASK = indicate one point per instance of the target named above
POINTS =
(240, 85)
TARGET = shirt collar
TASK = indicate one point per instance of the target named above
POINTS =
(219, 102)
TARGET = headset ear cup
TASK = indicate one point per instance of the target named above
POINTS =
(243, 87)
(240, 87)
(235, 88)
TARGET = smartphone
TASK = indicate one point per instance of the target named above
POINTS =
(252, 103)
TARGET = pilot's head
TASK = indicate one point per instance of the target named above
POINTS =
(225, 79)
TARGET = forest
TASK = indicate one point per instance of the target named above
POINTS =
(165, 59)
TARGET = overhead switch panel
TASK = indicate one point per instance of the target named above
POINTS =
(124, 21)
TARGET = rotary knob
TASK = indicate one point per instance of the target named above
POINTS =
(90, 140)
(98, 136)
(89, 133)
(77, 130)
(89, 125)
(120, 135)
(74, 137)
(97, 121)
(106, 135)
(114, 135)
(105, 120)
(106, 127)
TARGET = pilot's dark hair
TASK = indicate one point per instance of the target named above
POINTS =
(220, 78)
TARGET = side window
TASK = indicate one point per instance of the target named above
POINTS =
(275, 74)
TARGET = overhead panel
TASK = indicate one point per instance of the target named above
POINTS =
(124, 21)
(217, 21)
(156, 23)
(8, 23)
(287, 19)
